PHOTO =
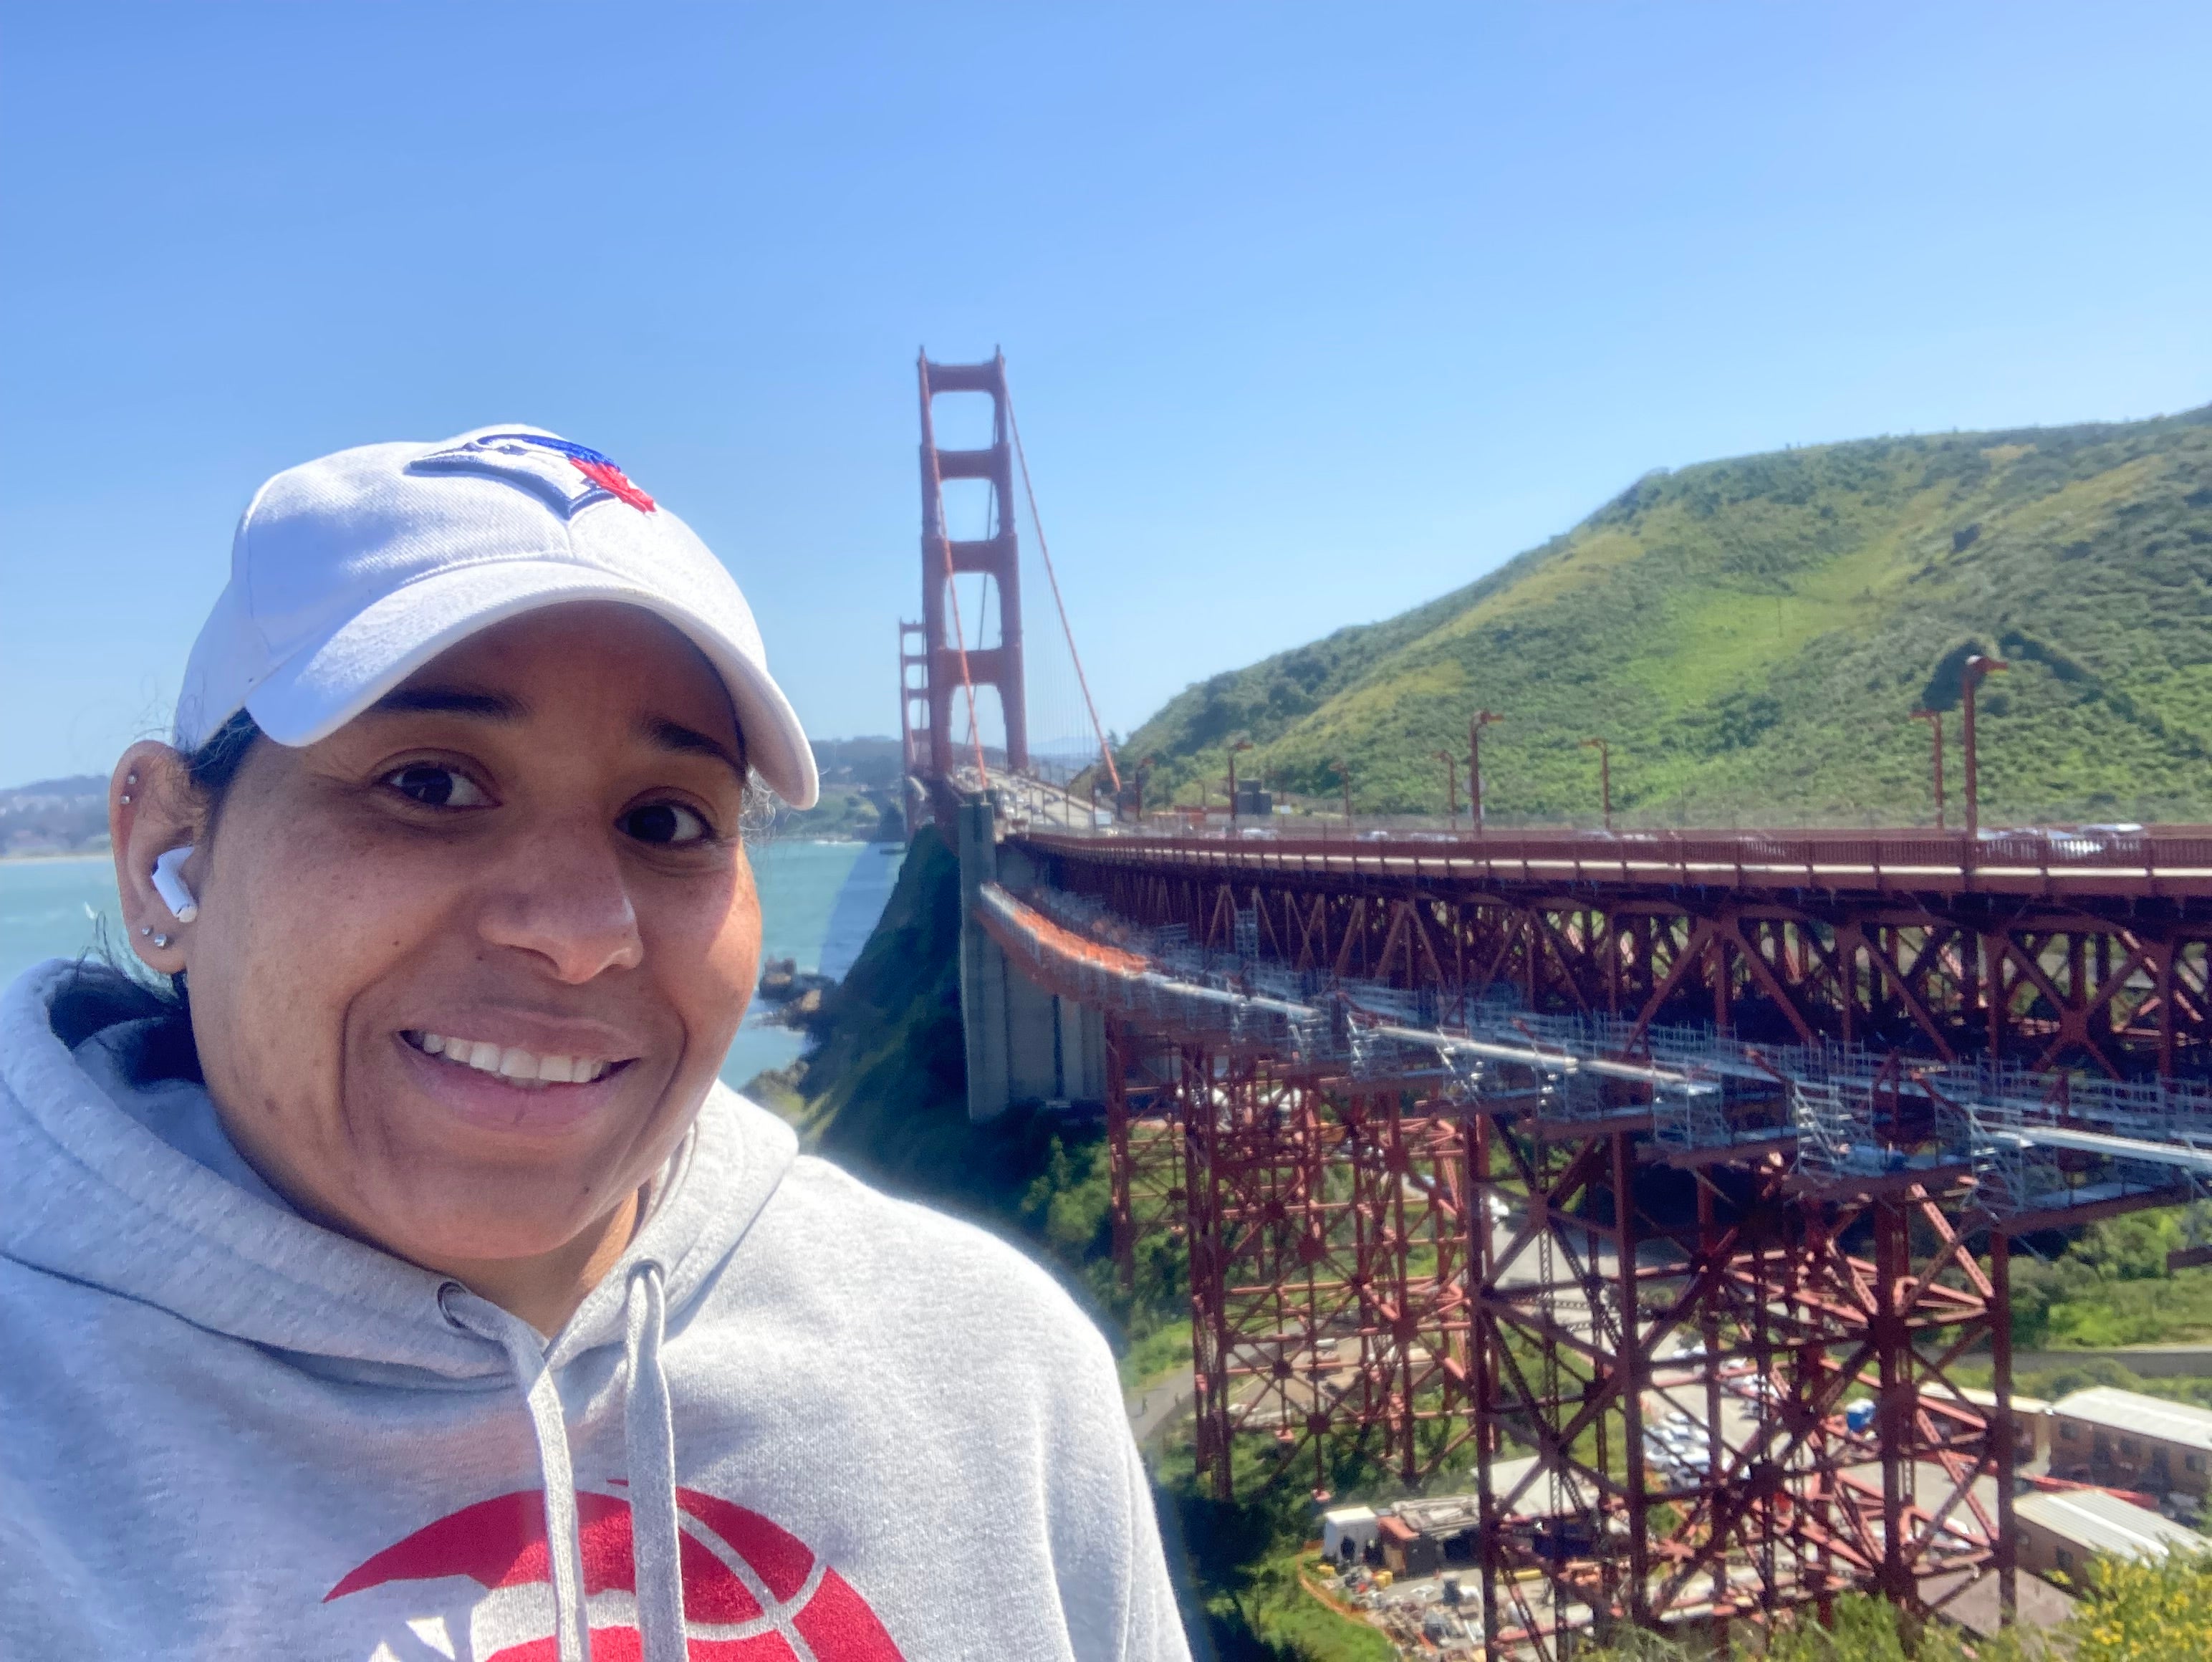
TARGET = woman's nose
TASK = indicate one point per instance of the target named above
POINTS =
(564, 897)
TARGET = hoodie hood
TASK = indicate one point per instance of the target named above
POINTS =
(88, 1193)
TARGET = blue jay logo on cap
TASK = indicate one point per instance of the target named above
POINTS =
(564, 475)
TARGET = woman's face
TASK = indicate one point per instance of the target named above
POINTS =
(464, 971)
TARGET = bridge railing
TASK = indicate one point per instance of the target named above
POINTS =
(2130, 858)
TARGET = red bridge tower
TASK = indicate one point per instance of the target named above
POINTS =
(951, 664)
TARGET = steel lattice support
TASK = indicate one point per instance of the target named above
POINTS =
(1696, 1326)
(1144, 1136)
(1346, 1300)
(1755, 1319)
(1328, 1238)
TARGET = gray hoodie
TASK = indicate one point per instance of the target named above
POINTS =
(798, 1421)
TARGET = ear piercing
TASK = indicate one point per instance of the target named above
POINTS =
(161, 940)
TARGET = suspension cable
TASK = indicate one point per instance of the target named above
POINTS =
(1105, 751)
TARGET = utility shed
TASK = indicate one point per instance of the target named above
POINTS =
(2107, 1435)
(2063, 1532)
(1406, 1551)
(1346, 1533)
(2031, 1418)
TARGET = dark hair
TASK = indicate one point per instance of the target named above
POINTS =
(109, 984)
(214, 766)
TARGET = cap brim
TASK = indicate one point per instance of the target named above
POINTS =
(325, 685)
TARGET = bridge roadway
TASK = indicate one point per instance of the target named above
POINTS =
(2132, 864)
(2054, 950)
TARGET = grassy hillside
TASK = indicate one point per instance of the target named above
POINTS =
(1750, 635)
(861, 793)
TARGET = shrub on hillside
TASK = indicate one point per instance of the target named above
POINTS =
(2132, 1612)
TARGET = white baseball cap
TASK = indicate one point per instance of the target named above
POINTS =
(349, 573)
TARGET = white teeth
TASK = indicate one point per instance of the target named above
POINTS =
(512, 1062)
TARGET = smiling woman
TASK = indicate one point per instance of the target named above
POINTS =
(399, 1220)
(529, 849)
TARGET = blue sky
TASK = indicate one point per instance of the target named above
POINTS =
(1312, 313)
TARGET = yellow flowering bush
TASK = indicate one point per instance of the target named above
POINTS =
(2138, 1611)
(2132, 1610)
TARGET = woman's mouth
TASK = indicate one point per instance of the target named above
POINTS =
(523, 1070)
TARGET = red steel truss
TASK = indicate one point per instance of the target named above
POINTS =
(1347, 1300)
(1329, 1246)
(1925, 945)
(1751, 1317)
(1684, 1382)
(1144, 1147)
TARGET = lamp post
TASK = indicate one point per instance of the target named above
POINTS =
(1977, 667)
(1481, 719)
(1451, 785)
(1242, 744)
(1604, 776)
(1344, 769)
(1935, 720)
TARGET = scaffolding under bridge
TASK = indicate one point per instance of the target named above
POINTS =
(1721, 1291)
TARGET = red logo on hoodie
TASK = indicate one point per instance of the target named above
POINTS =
(750, 1588)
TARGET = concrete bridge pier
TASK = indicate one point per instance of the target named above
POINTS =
(1024, 1044)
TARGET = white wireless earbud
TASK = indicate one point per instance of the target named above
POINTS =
(171, 887)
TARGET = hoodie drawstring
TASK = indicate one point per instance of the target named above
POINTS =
(649, 1444)
(565, 1547)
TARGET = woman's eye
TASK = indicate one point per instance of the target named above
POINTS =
(664, 824)
(437, 787)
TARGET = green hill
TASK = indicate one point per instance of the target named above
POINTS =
(1749, 636)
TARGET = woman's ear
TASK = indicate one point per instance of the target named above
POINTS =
(153, 806)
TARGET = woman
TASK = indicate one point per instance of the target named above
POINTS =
(403, 1283)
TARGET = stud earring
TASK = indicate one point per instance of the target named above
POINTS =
(161, 940)
(145, 928)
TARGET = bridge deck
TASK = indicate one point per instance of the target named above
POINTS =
(2167, 862)
(2050, 949)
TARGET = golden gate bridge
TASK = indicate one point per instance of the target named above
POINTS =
(1478, 1143)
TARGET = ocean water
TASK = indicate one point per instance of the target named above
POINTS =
(818, 903)
(54, 909)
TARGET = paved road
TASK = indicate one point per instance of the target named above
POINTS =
(2150, 1361)
(1157, 1403)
